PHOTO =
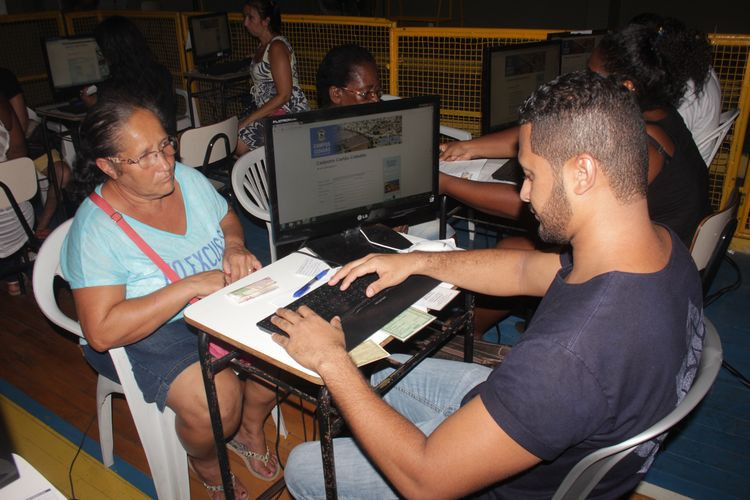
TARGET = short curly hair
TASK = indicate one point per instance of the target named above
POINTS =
(582, 112)
(337, 67)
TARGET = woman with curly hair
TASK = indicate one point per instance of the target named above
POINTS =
(686, 55)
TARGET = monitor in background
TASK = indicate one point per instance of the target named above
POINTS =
(510, 74)
(209, 38)
(336, 169)
(73, 63)
(576, 48)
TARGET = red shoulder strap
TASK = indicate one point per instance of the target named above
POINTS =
(144, 247)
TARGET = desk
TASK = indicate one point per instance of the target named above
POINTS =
(68, 128)
(218, 316)
(219, 88)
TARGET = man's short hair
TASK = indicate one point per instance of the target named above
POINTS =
(582, 112)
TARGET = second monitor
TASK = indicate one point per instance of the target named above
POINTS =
(336, 169)
(510, 74)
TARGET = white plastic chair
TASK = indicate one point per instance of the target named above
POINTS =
(166, 456)
(250, 187)
(717, 136)
(183, 121)
(203, 147)
(589, 471)
(712, 239)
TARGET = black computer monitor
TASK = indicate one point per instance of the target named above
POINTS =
(73, 63)
(576, 48)
(209, 38)
(336, 169)
(510, 73)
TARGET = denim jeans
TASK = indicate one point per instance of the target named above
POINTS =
(426, 396)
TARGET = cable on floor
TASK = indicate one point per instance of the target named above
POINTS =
(78, 451)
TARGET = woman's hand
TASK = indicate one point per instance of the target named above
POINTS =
(238, 262)
(207, 282)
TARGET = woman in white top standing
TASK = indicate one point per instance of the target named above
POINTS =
(12, 146)
(276, 89)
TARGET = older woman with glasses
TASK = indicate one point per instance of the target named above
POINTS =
(123, 299)
(348, 74)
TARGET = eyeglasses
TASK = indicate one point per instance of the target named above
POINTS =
(365, 94)
(151, 158)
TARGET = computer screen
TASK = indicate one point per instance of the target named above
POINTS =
(576, 48)
(72, 63)
(510, 74)
(209, 37)
(339, 168)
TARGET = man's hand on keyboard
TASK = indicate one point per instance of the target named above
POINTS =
(391, 269)
(312, 340)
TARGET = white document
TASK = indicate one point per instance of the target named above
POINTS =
(468, 169)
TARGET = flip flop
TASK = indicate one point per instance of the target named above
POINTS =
(246, 455)
(212, 489)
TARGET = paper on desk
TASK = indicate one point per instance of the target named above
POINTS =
(437, 298)
(408, 323)
(467, 169)
(367, 352)
(311, 267)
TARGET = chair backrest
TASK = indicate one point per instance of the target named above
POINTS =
(46, 267)
(19, 176)
(712, 239)
(717, 136)
(203, 146)
(183, 120)
(589, 471)
(250, 187)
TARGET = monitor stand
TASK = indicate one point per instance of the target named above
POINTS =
(349, 245)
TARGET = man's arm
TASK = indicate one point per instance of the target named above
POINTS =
(468, 451)
(500, 272)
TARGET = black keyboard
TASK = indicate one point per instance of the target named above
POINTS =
(360, 316)
(227, 67)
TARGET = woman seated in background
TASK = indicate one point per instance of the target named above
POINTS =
(276, 87)
(123, 299)
(677, 176)
(12, 234)
(688, 52)
(36, 149)
(133, 67)
(348, 75)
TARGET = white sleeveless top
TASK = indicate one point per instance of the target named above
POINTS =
(12, 235)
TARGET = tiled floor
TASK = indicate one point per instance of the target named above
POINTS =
(709, 456)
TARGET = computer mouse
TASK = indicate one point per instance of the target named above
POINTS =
(91, 90)
(433, 246)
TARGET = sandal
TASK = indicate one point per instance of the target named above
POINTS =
(214, 489)
(246, 455)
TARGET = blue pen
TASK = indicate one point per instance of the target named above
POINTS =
(310, 283)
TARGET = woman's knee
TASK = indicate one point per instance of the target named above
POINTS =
(187, 397)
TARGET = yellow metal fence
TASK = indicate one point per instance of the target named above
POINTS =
(412, 61)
